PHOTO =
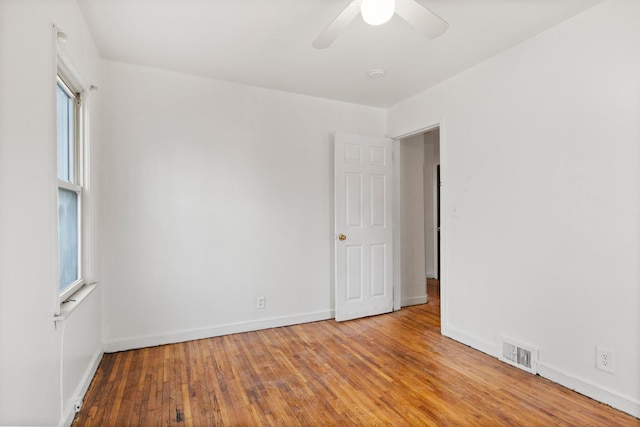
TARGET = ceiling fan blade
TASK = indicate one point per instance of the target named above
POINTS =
(420, 18)
(331, 33)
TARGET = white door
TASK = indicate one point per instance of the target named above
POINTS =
(363, 170)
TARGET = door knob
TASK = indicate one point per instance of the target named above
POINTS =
(342, 237)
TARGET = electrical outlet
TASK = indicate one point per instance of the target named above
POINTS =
(261, 302)
(605, 360)
(78, 405)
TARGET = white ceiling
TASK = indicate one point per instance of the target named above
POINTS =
(267, 43)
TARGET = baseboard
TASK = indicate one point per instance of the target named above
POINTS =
(478, 344)
(215, 331)
(82, 388)
(413, 301)
(608, 397)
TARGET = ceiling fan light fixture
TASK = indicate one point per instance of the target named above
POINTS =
(377, 12)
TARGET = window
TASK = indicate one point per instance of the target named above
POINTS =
(69, 156)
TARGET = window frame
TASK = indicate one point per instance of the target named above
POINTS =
(68, 79)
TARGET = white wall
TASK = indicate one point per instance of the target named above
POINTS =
(39, 375)
(540, 160)
(217, 193)
(431, 161)
(414, 287)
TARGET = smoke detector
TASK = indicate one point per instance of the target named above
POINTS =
(376, 73)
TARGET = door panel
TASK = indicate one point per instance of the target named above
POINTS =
(354, 272)
(354, 199)
(363, 196)
(378, 188)
(378, 285)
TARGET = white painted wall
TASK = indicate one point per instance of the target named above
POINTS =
(431, 160)
(414, 287)
(217, 193)
(40, 367)
(540, 158)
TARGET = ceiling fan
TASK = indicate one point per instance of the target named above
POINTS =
(376, 12)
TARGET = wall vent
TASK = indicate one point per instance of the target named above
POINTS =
(519, 355)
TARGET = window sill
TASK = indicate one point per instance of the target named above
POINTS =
(67, 307)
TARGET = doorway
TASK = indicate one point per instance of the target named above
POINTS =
(419, 162)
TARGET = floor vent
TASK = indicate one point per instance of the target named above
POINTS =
(519, 355)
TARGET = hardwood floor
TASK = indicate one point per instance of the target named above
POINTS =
(433, 287)
(393, 369)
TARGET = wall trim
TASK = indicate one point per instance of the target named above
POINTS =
(397, 227)
(587, 388)
(215, 331)
(70, 413)
(422, 299)
(476, 343)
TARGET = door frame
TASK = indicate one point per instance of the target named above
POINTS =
(397, 220)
